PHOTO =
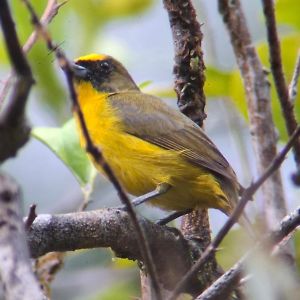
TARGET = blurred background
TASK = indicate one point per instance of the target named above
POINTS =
(137, 33)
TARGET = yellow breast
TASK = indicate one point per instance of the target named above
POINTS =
(139, 165)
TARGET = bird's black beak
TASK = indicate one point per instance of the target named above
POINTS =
(79, 71)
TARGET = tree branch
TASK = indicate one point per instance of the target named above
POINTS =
(112, 228)
(247, 196)
(189, 65)
(257, 89)
(287, 106)
(189, 81)
(228, 281)
(14, 131)
(96, 153)
(15, 266)
(293, 90)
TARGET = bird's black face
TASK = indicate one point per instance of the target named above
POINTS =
(97, 72)
(104, 73)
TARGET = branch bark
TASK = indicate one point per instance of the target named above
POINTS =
(15, 267)
(189, 64)
(14, 130)
(293, 90)
(189, 81)
(112, 228)
(257, 89)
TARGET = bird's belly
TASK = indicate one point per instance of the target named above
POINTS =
(141, 166)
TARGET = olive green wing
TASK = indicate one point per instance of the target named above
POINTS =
(150, 119)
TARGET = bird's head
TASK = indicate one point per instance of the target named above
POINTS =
(103, 72)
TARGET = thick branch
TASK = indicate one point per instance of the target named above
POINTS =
(189, 81)
(189, 65)
(15, 266)
(287, 106)
(228, 282)
(14, 132)
(112, 228)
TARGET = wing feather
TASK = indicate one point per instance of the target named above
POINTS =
(159, 124)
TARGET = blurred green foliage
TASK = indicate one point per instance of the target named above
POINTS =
(119, 291)
(93, 16)
(229, 84)
(234, 245)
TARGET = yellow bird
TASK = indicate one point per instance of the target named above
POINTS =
(149, 144)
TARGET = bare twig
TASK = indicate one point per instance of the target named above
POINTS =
(14, 132)
(31, 216)
(287, 106)
(293, 90)
(50, 12)
(15, 267)
(227, 283)
(189, 81)
(257, 89)
(95, 152)
(247, 196)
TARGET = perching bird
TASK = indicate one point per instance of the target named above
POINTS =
(149, 144)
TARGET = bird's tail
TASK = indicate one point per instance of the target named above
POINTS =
(233, 196)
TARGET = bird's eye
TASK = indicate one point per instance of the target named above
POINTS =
(104, 66)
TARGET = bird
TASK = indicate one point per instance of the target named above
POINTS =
(149, 145)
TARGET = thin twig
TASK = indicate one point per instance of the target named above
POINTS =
(95, 152)
(247, 196)
(50, 12)
(227, 282)
(287, 106)
(293, 90)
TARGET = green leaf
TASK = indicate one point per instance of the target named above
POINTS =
(64, 142)
(144, 84)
